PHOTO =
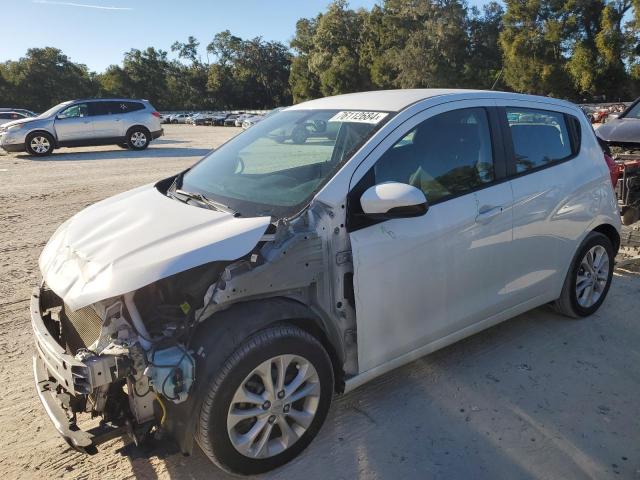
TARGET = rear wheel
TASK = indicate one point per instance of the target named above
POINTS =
(39, 144)
(589, 278)
(267, 402)
(138, 138)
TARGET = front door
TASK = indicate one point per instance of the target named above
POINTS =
(74, 123)
(420, 279)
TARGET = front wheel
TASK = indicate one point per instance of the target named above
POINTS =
(267, 402)
(39, 144)
(589, 277)
(138, 138)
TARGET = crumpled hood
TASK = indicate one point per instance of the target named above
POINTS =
(620, 130)
(135, 238)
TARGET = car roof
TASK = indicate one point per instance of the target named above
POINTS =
(397, 100)
(109, 100)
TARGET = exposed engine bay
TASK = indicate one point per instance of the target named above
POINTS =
(131, 360)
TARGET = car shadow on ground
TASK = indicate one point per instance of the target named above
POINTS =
(67, 155)
(525, 399)
(163, 141)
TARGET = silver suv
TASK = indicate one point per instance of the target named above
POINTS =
(77, 123)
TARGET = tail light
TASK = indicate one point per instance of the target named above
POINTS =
(156, 114)
(614, 169)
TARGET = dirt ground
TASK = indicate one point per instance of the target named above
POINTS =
(540, 396)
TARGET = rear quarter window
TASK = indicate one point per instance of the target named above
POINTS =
(133, 106)
(542, 137)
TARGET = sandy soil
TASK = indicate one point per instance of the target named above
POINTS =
(539, 396)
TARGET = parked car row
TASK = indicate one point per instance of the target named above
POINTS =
(219, 119)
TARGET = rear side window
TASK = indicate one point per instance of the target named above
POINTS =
(447, 155)
(115, 107)
(540, 137)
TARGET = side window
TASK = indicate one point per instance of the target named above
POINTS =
(98, 108)
(75, 111)
(133, 106)
(540, 137)
(444, 156)
(5, 116)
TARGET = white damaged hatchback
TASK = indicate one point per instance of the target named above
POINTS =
(330, 243)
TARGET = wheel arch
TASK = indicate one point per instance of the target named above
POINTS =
(217, 337)
(42, 130)
(138, 125)
(611, 233)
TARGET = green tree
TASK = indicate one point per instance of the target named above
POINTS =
(484, 58)
(147, 71)
(44, 77)
(533, 41)
(304, 83)
(187, 81)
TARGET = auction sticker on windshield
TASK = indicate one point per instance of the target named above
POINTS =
(358, 117)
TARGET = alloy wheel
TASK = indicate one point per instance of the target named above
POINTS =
(138, 139)
(274, 406)
(592, 277)
(40, 144)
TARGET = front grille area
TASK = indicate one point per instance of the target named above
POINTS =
(80, 328)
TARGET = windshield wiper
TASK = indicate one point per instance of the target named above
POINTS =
(198, 197)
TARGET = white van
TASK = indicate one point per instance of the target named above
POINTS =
(228, 303)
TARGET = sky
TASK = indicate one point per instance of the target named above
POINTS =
(98, 32)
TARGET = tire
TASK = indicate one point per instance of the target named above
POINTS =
(631, 215)
(175, 122)
(218, 435)
(123, 145)
(299, 135)
(39, 144)
(138, 138)
(570, 302)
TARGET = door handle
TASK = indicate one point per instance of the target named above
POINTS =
(488, 213)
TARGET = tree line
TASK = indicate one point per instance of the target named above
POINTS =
(583, 50)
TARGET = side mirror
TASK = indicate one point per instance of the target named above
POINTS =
(393, 200)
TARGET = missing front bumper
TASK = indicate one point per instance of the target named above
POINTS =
(83, 441)
(60, 377)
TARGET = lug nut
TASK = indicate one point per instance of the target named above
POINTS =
(266, 405)
(286, 408)
(281, 394)
(272, 418)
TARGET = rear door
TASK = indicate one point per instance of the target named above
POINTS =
(74, 123)
(417, 280)
(549, 207)
(107, 119)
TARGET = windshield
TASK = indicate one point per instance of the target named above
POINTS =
(275, 167)
(634, 112)
(53, 110)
